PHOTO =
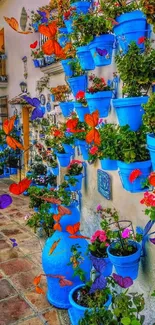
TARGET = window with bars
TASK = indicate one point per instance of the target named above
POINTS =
(3, 109)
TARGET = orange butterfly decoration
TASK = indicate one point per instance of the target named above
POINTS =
(57, 217)
(72, 125)
(72, 230)
(8, 126)
(54, 246)
(93, 135)
(51, 46)
(63, 282)
(13, 23)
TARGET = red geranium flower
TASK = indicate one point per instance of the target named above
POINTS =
(148, 199)
(141, 40)
(152, 179)
(134, 175)
(57, 133)
(80, 94)
(93, 150)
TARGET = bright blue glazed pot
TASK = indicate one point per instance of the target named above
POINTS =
(66, 108)
(68, 24)
(126, 266)
(85, 58)
(108, 164)
(99, 101)
(131, 26)
(49, 59)
(84, 148)
(78, 185)
(36, 26)
(41, 62)
(64, 37)
(76, 312)
(36, 63)
(125, 171)
(67, 67)
(52, 98)
(68, 148)
(57, 262)
(78, 83)
(81, 111)
(64, 159)
(130, 111)
(81, 6)
(55, 171)
(13, 171)
(101, 49)
(151, 148)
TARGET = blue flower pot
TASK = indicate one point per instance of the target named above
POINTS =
(81, 111)
(125, 171)
(36, 63)
(13, 171)
(126, 266)
(36, 26)
(67, 67)
(49, 59)
(81, 6)
(84, 148)
(108, 164)
(78, 185)
(76, 312)
(66, 108)
(101, 49)
(68, 148)
(57, 262)
(64, 159)
(99, 101)
(108, 268)
(53, 209)
(68, 24)
(52, 98)
(151, 148)
(55, 171)
(28, 174)
(85, 58)
(41, 62)
(78, 83)
(63, 39)
(130, 111)
(131, 27)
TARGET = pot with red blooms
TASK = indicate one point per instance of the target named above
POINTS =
(74, 175)
(81, 106)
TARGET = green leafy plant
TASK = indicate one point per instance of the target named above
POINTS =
(37, 54)
(98, 84)
(107, 149)
(35, 194)
(75, 260)
(38, 169)
(75, 168)
(80, 98)
(112, 9)
(149, 10)
(149, 116)
(76, 68)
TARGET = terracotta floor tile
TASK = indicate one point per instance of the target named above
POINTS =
(24, 281)
(15, 232)
(52, 317)
(16, 266)
(9, 254)
(14, 309)
(4, 244)
(5, 221)
(38, 300)
(36, 258)
(32, 321)
(30, 246)
(6, 289)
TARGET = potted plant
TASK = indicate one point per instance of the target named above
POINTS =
(81, 6)
(128, 20)
(54, 166)
(63, 157)
(63, 36)
(78, 81)
(149, 122)
(99, 95)
(81, 106)
(149, 11)
(68, 17)
(136, 84)
(38, 58)
(36, 20)
(74, 175)
(35, 195)
(61, 94)
(70, 54)
(68, 143)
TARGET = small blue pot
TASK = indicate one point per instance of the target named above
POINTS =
(99, 101)
(126, 266)
(36, 26)
(68, 24)
(63, 39)
(55, 171)
(151, 148)
(101, 49)
(76, 312)
(108, 268)
(108, 164)
(66, 108)
(78, 185)
(49, 59)
(78, 83)
(64, 159)
(125, 171)
(52, 98)
(85, 58)
(36, 209)
(68, 148)
(36, 63)
(67, 67)
(130, 111)
(41, 62)
(81, 6)
(81, 111)
(84, 148)
(131, 26)
(53, 209)
(13, 171)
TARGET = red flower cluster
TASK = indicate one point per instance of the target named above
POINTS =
(141, 40)
(152, 179)
(68, 13)
(57, 133)
(80, 94)
(134, 175)
(148, 199)
(93, 150)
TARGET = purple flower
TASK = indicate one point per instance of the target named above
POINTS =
(99, 207)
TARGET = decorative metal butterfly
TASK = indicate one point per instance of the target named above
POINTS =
(99, 284)
(5, 201)
(35, 102)
(103, 52)
(122, 282)
(14, 243)
(146, 235)
(98, 264)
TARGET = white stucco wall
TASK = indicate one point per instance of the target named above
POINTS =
(127, 204)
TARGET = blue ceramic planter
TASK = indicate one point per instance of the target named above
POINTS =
(131, 27)
(41, 62)
(64, 159)
(64, 37)
(108, 164)
(99, 101)
(108, 268)
(151, 148)
(84, 148)
(81, 6)
(76, 312)
(78, 83)
(36, 26)
(78, 185)
(126, 266)
(57, 262)
(101, 49)
(66, 108)
(85, 58)
(68, 148)
(81, 111)
(68, 24)
(13, 171)
(36, 63)
(55, 171)
(67, 67)
(125, 171)
(130, 111)
(36, 209)
(49, 59)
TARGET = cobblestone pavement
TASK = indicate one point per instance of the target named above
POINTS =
(19, 303)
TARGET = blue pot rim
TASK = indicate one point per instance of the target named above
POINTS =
(82, 142)
(74, 176)
(130, 258)
(67, 60)
(65, 155)
(137, 164)
(134, 101)
(105, 38)
(81, 3)
(66, 104)
(84, 76)
(133, 15)
(84, 48)
(63, 30)
(99, 94)
(79, 105)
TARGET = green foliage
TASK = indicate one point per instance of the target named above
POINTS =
(38, 169)
(98, 84)
(74, 168)
(113, 9)
(34, 193)
(138, 77)
(107, 149)
(149, 116)
(76, 68)
(75, 260)
(98, 316)
(67, 140)
(148, 8)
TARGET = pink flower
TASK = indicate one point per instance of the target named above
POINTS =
(67, 130)
(74, 161)
(93, 150)
(126, 233)
(99, 207)
(101, 234)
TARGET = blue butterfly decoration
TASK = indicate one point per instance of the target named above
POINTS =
(44, 19)
(14, 243)
(35, 102)
(100, 282)
(146, 235)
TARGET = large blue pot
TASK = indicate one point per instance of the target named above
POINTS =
(57, 262)
(81, 6)
(101, 49)
(85, 58)
(78, 83)
(64, 37)
(78, 185)
(67, 67)
(13, 171)
(107, 269)
(49, 59)
(36, 63)
(76, 312)
(126, 266)
(68, 148)
(130, 111)
(81, 111)
(151, 148)
(131, 26)
(125, 171)
(68, 24)
(64, 159)
(66, 108)
(99, 101)
(84, 148)
(108, 164)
